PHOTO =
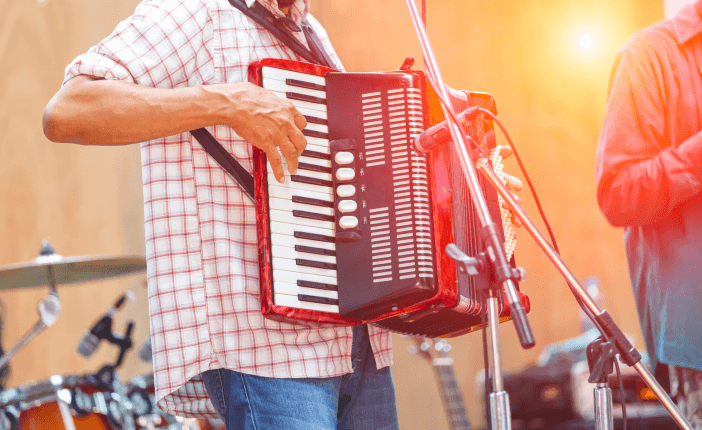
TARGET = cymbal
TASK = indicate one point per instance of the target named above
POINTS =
(67, 270)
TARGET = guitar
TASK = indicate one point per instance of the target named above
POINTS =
(436, 352)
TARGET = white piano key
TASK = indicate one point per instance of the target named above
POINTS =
(272, 182)
(312, 146)
(282, 192)
(299, 103)
(287, 217)
(317, 127)
(318, 141)
(293, 277)
(293, 302)
(306, 173)
(285, 252)
(315, 175)
(290, 241)
(294, 290)
(280, 85)
(282, 75)
(288, 230)
(289, 205)
(315, 161)
(292, 266)
(311, 112)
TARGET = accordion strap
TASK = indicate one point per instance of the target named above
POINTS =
(278, 27)
(226, 160)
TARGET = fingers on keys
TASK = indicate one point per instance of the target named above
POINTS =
(506, 151)
(291, 146)
(512, 183)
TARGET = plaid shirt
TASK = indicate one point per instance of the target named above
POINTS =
(201, 244)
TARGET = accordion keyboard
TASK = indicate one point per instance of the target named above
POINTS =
(302, 209)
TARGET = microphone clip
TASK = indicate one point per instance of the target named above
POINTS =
(124, 342)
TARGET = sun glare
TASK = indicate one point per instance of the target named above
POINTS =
(586, 41)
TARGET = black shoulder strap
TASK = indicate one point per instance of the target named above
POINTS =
(279, 28)
(225, 159)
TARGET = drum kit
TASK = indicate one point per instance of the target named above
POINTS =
(90, 401)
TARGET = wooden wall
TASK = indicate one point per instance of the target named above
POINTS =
(549, 94)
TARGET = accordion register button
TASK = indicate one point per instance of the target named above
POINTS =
(343, 158)
(346, 206)
(345, 174)
(346, 190)
(348, 222)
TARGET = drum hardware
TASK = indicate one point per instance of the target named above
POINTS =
(145, 352)
(51, 269)
(49, 310)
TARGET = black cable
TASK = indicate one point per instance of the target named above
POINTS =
(541, 213)
(526, 176)
(621, 392)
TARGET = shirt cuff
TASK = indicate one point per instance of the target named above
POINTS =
(98, 65)
(691, 151)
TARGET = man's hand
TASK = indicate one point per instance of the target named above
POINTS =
(513, 184)
(268, 122)
(93, 111)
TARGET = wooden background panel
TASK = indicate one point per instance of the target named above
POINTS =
(549, 94)
(88, 200)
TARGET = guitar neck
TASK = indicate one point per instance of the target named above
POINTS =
(451, 395)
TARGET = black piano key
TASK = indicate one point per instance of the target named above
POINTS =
(313, 215)
(311, 201)
(314, 168)
(317, 264)
(312, 250)
(315, 154)
(317, 285)
(303, 84)
(313, 236)
(315, 299)
(305, 98)
(311, 181)
(315, 120)
(313, 133)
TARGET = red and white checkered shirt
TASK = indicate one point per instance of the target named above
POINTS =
(201, 245)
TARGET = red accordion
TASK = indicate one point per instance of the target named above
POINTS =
(358, 234)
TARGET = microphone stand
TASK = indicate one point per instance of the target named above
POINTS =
(499, 402)
(603, 321)
(496, 261)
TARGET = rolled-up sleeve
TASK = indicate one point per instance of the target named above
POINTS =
(161, 45)
(641, 175)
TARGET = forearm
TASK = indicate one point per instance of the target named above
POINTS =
(108, 112)
(646, 191)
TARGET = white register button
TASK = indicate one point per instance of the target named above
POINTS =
(346, 190)
(346, 206)
(343, 158)
(345, 174)
(348, 222)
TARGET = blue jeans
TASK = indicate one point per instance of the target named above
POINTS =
(362, 400)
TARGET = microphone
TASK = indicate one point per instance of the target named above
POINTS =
(102, 328)
(440, 133)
